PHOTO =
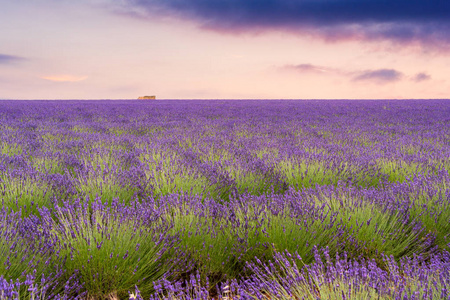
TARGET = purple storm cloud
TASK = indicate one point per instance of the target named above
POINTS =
(404, 21)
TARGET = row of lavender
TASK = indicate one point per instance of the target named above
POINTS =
(179, 199)
(374, 243)
(215, 148)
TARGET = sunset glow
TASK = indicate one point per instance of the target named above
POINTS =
(303, 49)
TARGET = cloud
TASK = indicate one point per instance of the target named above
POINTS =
(421, 77)
(309, 68)
(65, 78)
(406, 21)
(379, 76)
(6, 59)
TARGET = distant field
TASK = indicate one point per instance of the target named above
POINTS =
(235, 199)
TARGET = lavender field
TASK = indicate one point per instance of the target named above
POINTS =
(225, 199)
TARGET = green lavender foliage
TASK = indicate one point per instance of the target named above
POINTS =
(111, 251)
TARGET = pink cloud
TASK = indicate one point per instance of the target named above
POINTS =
(64, 78)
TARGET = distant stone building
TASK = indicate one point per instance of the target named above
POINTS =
(147, 97)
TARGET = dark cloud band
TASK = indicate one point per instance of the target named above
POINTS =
(400, 20)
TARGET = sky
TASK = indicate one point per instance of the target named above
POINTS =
(225, 49)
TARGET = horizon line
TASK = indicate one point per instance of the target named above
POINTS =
(210, 99)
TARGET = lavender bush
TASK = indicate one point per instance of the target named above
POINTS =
(224, 199)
